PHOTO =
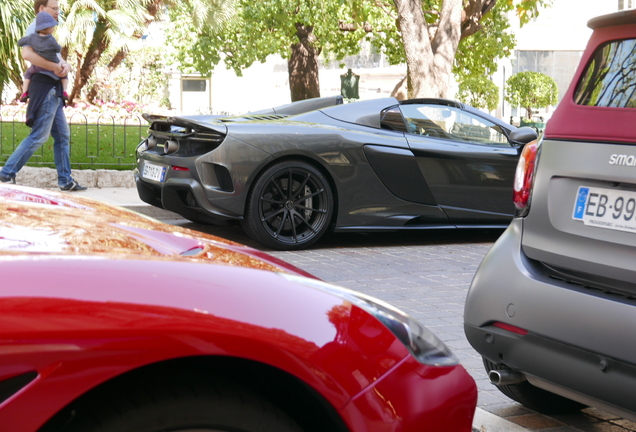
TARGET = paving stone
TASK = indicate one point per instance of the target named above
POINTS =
(534, 421)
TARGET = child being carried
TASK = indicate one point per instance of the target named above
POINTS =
(44, 44)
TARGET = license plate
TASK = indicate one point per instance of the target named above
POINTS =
(606, 208)
(154, 172)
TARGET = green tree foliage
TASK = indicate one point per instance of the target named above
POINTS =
(297, 30)
(300, 30)
(531, 90)
(103, 32)
(96, 34)
(479, 92)
(15, 17)
(96, 28)
(140, 79)
(465, 37)
(478, 54)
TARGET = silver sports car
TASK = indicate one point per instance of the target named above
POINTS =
(289, 174)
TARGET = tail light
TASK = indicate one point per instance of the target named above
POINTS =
(524, 177)
(511, 328)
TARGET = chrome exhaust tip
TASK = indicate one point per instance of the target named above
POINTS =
(505, 377)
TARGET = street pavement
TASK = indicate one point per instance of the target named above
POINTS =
(425, 273)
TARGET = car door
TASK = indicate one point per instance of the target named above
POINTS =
(467, 161)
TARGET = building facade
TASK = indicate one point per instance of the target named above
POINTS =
(552, 44)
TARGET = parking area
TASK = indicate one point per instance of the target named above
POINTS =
(427, 274)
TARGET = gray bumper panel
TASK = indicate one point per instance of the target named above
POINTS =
(576, 374)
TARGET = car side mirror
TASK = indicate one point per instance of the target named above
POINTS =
(523, 135)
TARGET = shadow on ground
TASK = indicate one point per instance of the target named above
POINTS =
(361, 240)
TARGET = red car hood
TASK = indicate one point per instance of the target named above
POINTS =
(38, 221)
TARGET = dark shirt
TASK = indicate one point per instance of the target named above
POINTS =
(39, 88)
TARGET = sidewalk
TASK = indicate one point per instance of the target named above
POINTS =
(119, 196)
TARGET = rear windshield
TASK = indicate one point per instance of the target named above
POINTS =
(609, 79)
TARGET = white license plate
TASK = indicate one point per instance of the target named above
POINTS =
(154, 172)
(606, 208)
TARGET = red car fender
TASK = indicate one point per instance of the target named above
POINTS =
(402, 402)
(81, 321)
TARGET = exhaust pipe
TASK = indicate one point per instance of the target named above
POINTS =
(505, 377)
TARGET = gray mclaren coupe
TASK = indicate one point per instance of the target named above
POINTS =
(291, 173)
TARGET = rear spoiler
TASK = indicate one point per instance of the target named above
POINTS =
(164, 124)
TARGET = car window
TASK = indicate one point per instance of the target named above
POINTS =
(609, 79)
(440, 121)
(391, 118)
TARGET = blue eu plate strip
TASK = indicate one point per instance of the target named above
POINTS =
(581, 200)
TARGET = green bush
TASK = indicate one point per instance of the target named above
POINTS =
(479, 92)
(531, 90)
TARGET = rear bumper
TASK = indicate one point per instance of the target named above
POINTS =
(184, 197)
(584, 376)
(579, 345)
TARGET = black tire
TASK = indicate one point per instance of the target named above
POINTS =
(289, 218)
(179, 407)
(533, 397)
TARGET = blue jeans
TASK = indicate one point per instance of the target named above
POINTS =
(49, 120)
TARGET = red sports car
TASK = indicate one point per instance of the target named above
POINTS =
(110, 321)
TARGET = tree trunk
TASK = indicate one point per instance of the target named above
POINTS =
(417, 46)
(302, 65)
(97, 46)
(99, 82)
(400, 91)
(430, 56)
(153, 8)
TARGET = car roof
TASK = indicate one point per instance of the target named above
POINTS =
(571, 121)
(614, 19)
(368, 112)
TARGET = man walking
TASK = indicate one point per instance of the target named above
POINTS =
(46, 104)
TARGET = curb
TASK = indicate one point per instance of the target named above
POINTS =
(488, 422)
(46, 178)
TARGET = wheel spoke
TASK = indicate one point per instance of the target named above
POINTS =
(298, 206)
(293, 225)
(305, 221)
(272, 201)
(311, 195)
(289, 185)
(278, 188)
(282, 222)
(276, 213)
(301, 187)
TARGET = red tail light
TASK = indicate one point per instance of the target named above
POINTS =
(524, 177)
(511, 328)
